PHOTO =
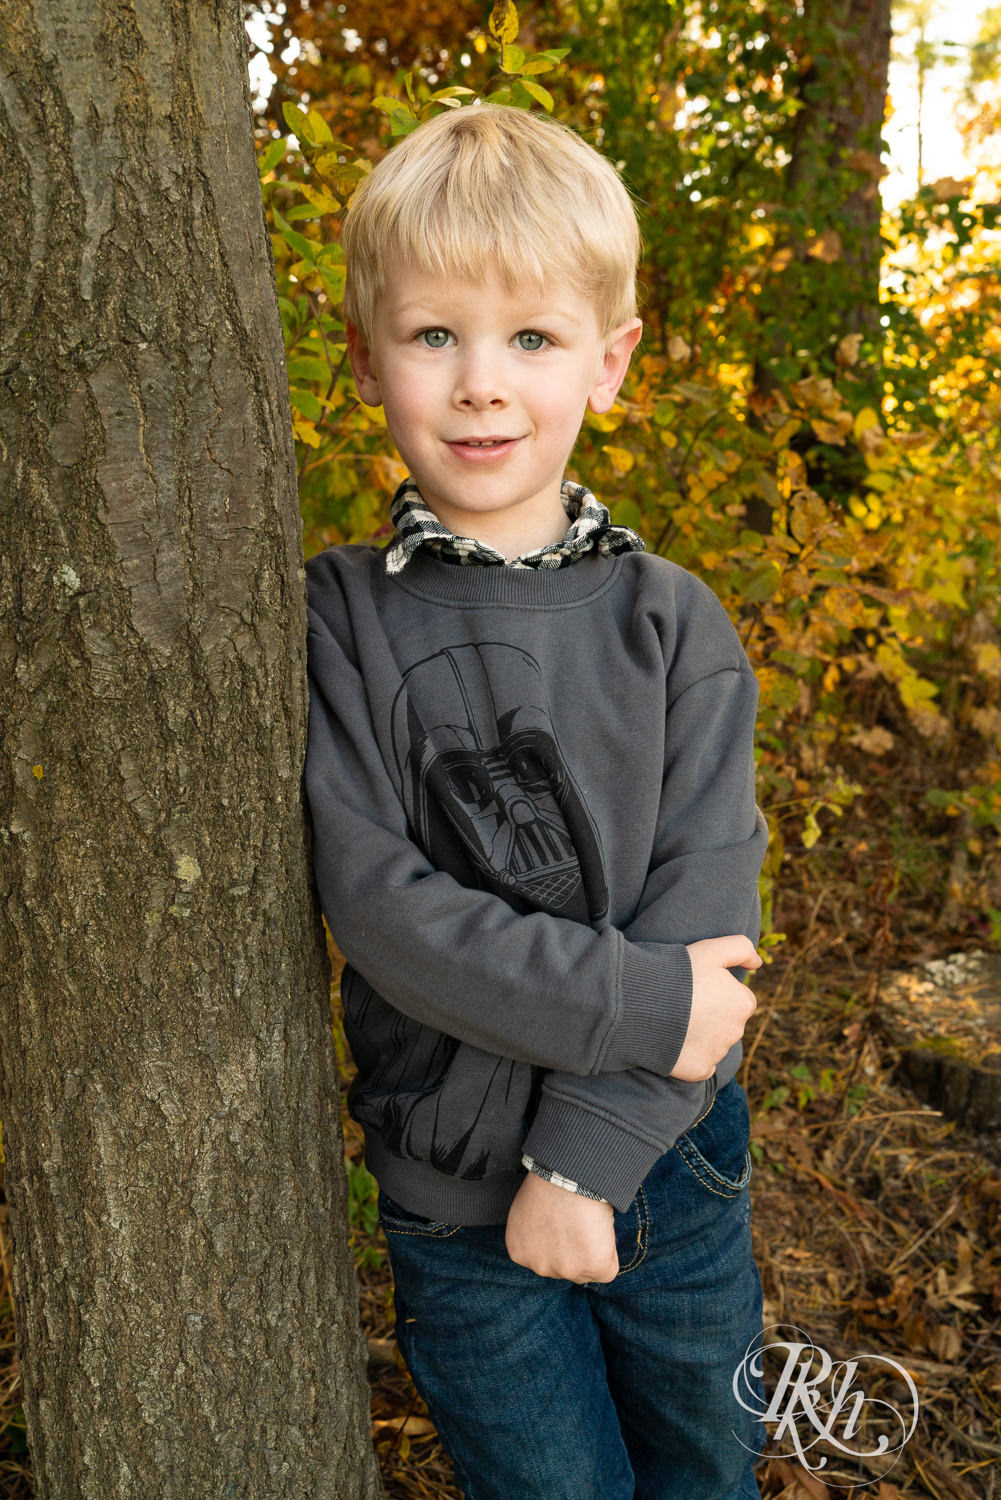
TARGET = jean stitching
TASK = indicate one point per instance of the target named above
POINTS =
(708, 1175)
(642, 1235)
(708, 1110)
(426, 1232)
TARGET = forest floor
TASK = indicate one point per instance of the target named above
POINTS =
(877, 1228)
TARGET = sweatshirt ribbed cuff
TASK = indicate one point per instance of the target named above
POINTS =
(656, 989)
(602, 1152)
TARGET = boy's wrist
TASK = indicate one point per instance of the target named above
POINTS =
(558, 1180)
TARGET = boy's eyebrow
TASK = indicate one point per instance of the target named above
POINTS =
(429, 308)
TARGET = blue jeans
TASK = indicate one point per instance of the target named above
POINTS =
(547, 1390)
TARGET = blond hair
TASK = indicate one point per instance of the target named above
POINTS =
(492, 185)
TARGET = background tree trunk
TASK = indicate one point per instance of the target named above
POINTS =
(833, 177)
(186, 1305)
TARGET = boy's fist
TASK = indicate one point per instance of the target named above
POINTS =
(721, 1005)
(555, 1232)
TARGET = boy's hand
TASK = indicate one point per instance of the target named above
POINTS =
(721, 1005)
(558, 1233)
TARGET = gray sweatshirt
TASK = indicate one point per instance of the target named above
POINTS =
(529, 790)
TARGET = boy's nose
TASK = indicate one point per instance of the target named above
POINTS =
(479, 386)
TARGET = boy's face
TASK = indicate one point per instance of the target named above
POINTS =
(484, 391)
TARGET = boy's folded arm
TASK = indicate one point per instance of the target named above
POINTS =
(607, 1131)
(536, 988)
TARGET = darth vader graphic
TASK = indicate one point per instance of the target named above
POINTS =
(490, 798)
(491, 802)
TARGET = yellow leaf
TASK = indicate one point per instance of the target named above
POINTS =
(988, 658)
(411, 1426)
(543, 96)
(832, 432)
(811, 830)
(622, 459)
(816, 390)
(606, 421)
(809, 515)
(865, 418)
(306, 431)
(785, 432)
(503, 22)
(374, 414)
(321, 132)
(322, 201)
(37, 772)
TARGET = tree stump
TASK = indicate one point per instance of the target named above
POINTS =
(945, 1017)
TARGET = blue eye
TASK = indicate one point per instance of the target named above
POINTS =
(530, 341)
(435, 338)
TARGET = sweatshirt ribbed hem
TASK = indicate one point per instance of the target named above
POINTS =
(656, 988)
(449, 1200)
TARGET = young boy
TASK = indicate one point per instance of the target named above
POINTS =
(530, 777)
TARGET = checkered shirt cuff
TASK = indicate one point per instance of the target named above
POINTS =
(548, 1175)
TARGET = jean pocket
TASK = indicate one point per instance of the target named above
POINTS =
(716, 1150)
(398, 1220)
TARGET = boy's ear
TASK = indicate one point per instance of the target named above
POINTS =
(615, 362)
(362, 367)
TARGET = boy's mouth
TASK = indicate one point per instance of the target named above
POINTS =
(481, 447)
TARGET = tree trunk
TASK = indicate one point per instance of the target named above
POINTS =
(825, 281)
(186, 1306)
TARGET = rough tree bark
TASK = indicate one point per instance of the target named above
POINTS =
(186, 1305)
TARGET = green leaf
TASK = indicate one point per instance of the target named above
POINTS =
(536, 65)
(295, 119)
(308, 367)
(512, 59)
(330, 254)
(270, 157)
(297, 242)
(305, 403)
(333, 282)
(503, 22)
(452, 93)
(402, 120)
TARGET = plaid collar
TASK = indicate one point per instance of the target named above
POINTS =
(590, 526)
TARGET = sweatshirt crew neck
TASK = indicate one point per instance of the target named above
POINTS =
(529, 588)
